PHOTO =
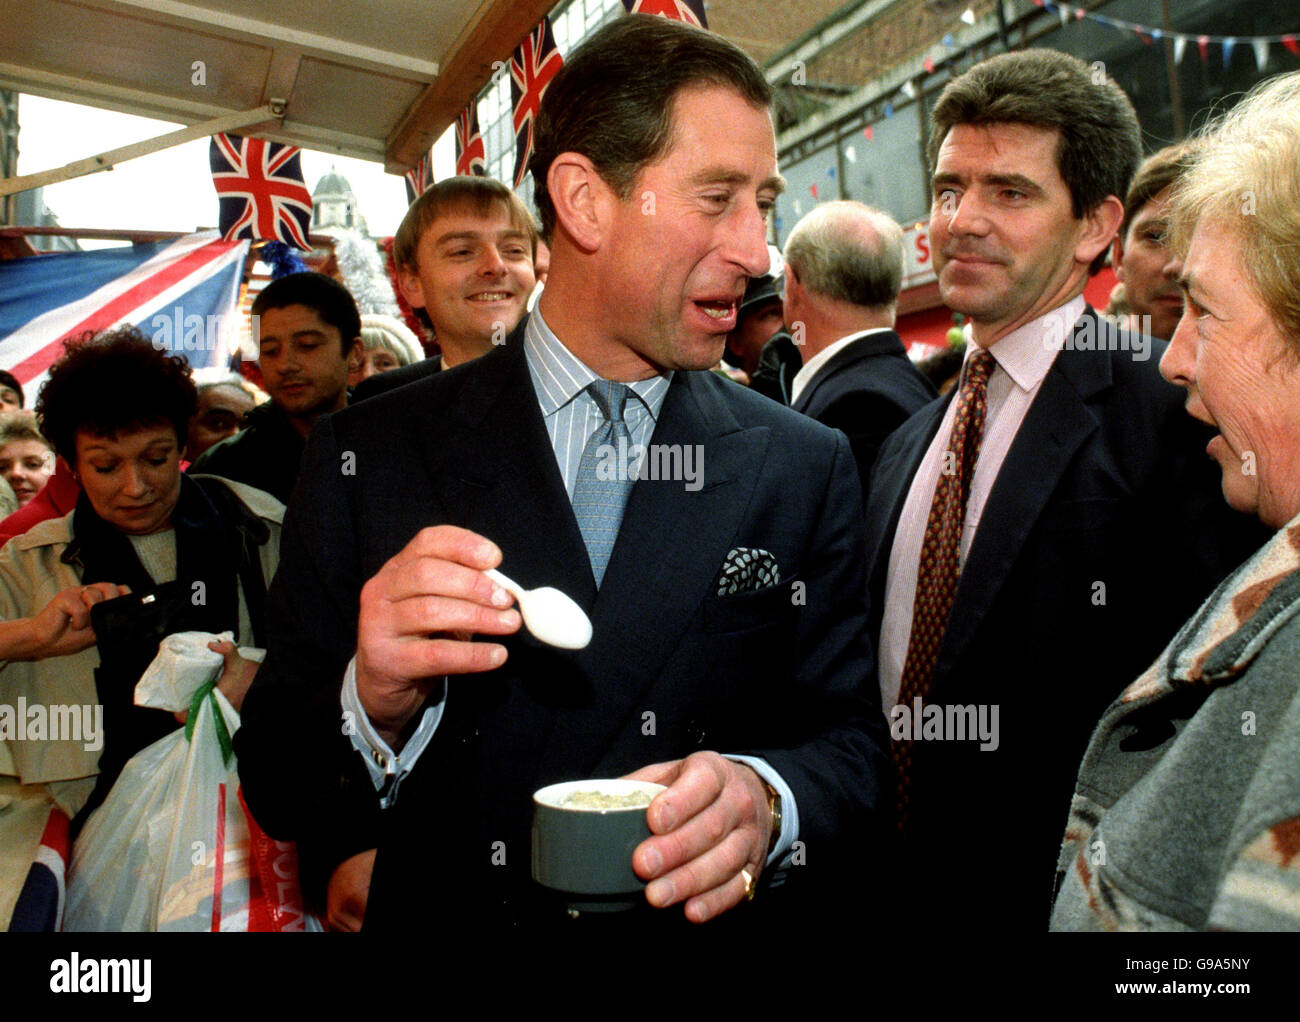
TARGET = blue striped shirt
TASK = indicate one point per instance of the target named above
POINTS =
(570, 413)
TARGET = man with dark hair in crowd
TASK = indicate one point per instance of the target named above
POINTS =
(843, 272)
(464, 254)
(308, 332)
(1045, 532)
(750, 638)
(1141, 256)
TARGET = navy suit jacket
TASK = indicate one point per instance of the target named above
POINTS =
(1104, 530)
(672, 666)
(867, 389)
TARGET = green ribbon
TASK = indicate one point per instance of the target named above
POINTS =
(208, 692)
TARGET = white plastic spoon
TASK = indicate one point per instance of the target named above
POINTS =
(550, 615)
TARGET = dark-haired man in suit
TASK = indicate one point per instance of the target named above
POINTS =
(727, 595)
(1039, 536)
(844, 269)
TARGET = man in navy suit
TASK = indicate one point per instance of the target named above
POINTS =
(402, 707)
(1092, 526)
(844, 269)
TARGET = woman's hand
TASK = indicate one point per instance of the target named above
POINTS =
(62, 627)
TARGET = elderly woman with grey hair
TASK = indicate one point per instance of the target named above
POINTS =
(388, 343)
(1186, 813)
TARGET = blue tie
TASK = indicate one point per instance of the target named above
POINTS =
(599, 495)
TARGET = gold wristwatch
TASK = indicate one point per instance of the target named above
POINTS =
(774, 808)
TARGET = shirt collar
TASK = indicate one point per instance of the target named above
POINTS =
(1027, 353)
(559, 376)
(804, 376)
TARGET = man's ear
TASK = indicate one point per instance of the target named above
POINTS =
(1117, 256)
(412, 290)
(583, 201)
(1099, 227)
(793, 290)
(355, 354)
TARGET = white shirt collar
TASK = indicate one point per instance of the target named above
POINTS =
(1027, 353)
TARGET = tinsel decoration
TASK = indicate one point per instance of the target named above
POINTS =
(282, 259)
(427, 340)
(362, 273)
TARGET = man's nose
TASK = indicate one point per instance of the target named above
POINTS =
(491, 264)
(964, 215)
(748, 243)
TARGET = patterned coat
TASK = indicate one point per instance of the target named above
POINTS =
(1186, 813)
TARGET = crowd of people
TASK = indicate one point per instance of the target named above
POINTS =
(1028, 647)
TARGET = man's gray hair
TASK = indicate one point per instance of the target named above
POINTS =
(849, 252)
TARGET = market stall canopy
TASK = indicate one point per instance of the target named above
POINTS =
(375, 81)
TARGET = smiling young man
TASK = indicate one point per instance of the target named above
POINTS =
(728, 616)
(465, 255)
(1037, 537)
(309, 331)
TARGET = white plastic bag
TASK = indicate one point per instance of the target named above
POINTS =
(170, 848)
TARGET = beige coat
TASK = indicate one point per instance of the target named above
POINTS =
(31, 573)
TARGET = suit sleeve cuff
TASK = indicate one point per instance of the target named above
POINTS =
(386, 768)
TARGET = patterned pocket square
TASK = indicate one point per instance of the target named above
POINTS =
(747, 570)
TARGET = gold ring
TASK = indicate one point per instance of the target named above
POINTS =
(749, 885)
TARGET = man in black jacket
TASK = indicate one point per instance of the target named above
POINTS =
(844, 269)
(728, 605)
(308, 332)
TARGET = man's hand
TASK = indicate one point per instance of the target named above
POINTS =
(348, 892)
(711, 823)
(237, 674)
(417, 617)
(63, 625)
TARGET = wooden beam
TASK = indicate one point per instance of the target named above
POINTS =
(268, 32)
(502, 27)
(107, 160)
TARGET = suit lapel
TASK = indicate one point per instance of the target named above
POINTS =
(1057, 424)
(504, 482)
(891, 480)
(670, 548)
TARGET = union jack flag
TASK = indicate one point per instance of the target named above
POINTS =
(535, 63)
(690, 11)
(261, 190)
(419, 177)
(471, 156)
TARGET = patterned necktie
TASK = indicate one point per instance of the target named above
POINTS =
(940, 566)
(600, 493)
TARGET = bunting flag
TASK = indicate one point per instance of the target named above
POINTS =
(471, 155)
(689, 11)
(261, 190)
(1148, 34)
(183, 294)
(535, 62)
(419, 177)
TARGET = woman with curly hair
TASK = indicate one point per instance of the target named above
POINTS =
(171, 552)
